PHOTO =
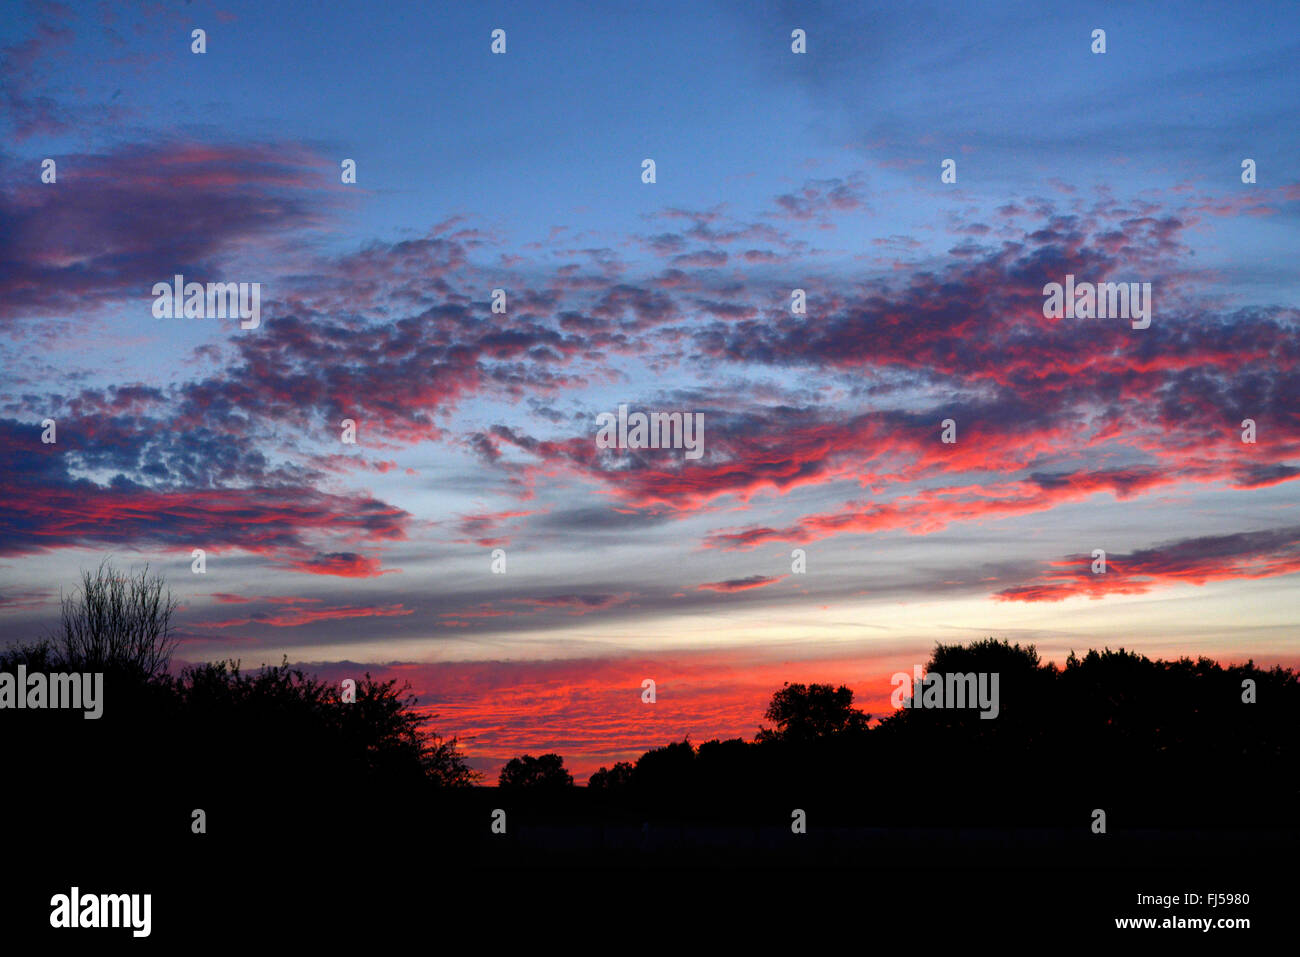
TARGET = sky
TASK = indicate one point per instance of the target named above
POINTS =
(827, 532)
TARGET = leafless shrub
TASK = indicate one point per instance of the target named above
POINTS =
(116, 620)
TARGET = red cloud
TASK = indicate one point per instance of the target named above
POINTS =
(743, 584)
(575, 604)
(1192, 561)
(342, 564)
(476, 527)
(306, 616)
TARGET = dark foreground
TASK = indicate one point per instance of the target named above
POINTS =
(343, 823)
(375, 873)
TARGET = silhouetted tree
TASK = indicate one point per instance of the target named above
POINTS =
(615, 779)
(543, 773)
(731, 765)
(300, 726)
(670, 768)
(806, 712)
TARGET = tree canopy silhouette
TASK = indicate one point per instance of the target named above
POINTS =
(613, 780)
(543, 773)
(804, 713)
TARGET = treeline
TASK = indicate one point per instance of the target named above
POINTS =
(1151, 742)
(1148, 741)
(227, 793)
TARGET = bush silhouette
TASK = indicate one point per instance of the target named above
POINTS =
(271, 745)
